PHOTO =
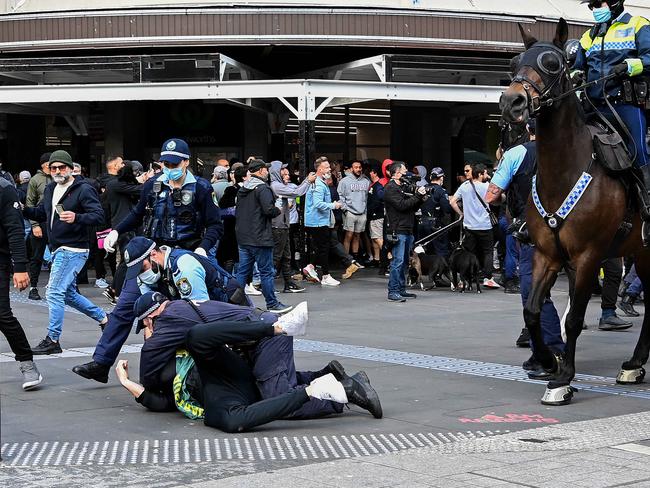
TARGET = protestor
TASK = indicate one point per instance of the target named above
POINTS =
(220, 180)
(176, 209)
(13, 258)
(353, 194)
(237, 387)
(254, 214)
(228, 251)
(285, 193)
(69, 206)
(319, 219)
(400, 221)
(38, 239)
(375, 216)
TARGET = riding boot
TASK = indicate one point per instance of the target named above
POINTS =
(645, 203)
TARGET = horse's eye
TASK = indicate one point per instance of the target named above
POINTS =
(549, 62)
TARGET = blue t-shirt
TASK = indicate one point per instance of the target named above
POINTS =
(509, 166)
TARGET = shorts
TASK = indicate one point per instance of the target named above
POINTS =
(354, 223)
(377, 229)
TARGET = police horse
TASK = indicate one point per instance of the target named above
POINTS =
(578, 213)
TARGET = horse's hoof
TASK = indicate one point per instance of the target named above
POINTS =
(630, 376)
(558, 396)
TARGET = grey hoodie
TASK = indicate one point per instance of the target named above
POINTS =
(283, 193)
(353, 193)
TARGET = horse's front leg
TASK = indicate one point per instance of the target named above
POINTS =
(581, 280)
(632, 371)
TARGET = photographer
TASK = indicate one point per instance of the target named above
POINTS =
(401, 199)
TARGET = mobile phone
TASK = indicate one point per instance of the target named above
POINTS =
(59, 209)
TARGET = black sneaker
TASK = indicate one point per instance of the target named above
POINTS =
(292, 287)
(47, 346)
(109, 294)
(280, 308)
(396, 297)
(512, 287)
(363, 395)
(524, 338)
(93, 371)
(33, 294)
(408, 295)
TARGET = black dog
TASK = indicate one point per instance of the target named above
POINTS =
(427, 267)
(465, 264)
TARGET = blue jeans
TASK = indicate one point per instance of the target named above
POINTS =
(263, 257)
(634, 118)
(400, 264)
(549, 318)
(61, 290)
(511, 259)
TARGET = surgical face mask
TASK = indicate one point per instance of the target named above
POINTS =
(602, 14)
(149, 277)
(327, 176)
(173, 174)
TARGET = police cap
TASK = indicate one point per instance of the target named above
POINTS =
(137, 251)
(174, 151)
(146, 305)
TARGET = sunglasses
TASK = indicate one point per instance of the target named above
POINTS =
(58, 167)
(596, 4)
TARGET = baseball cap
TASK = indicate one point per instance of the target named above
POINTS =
(174, 151)
(257, 164)
(61, 156)
(146, 305)
(137, 251)
(437, 172)
(24, 176)
(45, 157)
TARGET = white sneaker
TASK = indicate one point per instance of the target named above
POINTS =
(294, 323)
(328, 388)
(490, 283)
(310, 273)
(329, 281)
(251, 290)
(101, 283)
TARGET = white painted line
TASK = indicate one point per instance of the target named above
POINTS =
(637, 448)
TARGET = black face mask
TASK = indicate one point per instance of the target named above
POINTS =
(154, 266)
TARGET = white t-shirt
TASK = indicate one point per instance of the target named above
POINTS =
(475, 215)
(59, 190)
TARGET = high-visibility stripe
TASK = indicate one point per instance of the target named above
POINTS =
(634, 66)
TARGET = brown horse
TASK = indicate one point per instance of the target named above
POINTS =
(589, 233)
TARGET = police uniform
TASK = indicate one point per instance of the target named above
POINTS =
(434, 211)
(514, 174)
(621, 45)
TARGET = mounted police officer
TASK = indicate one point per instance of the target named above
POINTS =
(434, 212)
(619, 44)
(515, 173)
(177, 210)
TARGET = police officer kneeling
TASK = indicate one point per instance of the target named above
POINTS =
(233, 387)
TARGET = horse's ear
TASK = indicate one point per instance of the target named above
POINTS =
(529, 40)
(561, 34)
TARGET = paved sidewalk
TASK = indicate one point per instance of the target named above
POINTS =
(596, 453)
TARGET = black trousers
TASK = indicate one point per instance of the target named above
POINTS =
(320, 239)
(9, 325)
(612, 272)
(36, 258)
(231, 398)
(282, 253)
(481, 244)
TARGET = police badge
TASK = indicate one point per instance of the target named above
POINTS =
(171, 145)
(184, 286)
(186, 197)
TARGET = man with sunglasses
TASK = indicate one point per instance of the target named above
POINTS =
(619, 44)
(68, 207)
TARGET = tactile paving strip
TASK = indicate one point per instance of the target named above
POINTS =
(165, 451)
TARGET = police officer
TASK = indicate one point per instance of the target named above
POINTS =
(186, 275)
(618, 44)
(434, 212)
(177, 208)
(515, 174)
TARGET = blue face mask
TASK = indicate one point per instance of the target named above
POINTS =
(173, 174)
(602, 14)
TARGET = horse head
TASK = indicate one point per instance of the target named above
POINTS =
(540, 74)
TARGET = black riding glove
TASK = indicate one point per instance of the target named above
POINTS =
(578, 78)
(620, 69)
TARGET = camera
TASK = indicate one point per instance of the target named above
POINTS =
(410, 184)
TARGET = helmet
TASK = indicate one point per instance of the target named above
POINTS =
(571, 48)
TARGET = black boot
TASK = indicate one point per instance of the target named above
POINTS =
(361, 394)
(524, 338)
(627, 306)
(93, 371)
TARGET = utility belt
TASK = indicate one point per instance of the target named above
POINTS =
(633, 92)
(434, 221)
(519, 230)
(188, 244)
